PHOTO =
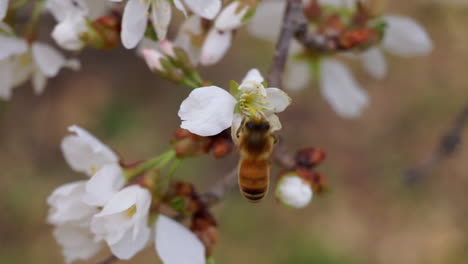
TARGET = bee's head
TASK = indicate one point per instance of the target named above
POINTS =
(257, 126)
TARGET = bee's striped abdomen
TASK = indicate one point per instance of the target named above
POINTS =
(254, 178)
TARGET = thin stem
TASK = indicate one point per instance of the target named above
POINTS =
(160, 161)
(293, 20)
(30, 30)
(448, 144)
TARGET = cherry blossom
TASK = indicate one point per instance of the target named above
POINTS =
(20, 62)
(136, 14)
(85, 153)
(209, 110)
(122, 223)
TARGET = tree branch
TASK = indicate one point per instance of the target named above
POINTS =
(448, 144)
(293, 20)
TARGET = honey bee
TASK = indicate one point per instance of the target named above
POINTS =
(256, 143)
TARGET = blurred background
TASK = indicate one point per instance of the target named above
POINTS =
(369, 216)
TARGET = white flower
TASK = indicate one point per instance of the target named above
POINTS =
(188, 38)
(22, 62)
(85, 153)
(67, 206)
(72, 16)
(293, 191)
(68, 33)
(136, 13)
(209, 110)
(175, 244)
(402, 37)
(219, 38)
(122, 223)
(3, 8)
(339, 88)
(77, 242)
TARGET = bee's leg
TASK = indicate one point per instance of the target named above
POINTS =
(276, 138)
(239, 128)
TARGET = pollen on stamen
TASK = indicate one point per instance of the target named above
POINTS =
(131, 211)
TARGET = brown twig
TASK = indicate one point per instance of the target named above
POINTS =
(293, 20)
(109, 260)
(448, 144)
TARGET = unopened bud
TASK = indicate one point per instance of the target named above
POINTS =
(309, 157)
(187, 144)
(221, 147)
(205, 227)
(357, 37)
(105, 32)
(316, 179)
(153, 59)
(293, 191)
(167, 48)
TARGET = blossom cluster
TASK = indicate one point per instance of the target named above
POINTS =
(395, 34)
(127, 207)
(108, 209)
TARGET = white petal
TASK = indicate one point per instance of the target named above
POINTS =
(339, 88)
(236, 123)
(205, 8)
(161, 16)
(85, 153)
(215, 46)
(253, 75)
(231, 18)
(207, 111)
(77, 243)
(60, 9)
(405, 37)
(175, 244)
(67, 33)
(11, 46)
(67, 206)
(39, 82)
(374, 62)
(125, 199)
(277, 100)
(294, 192)
(104, 184)
(178, 4)
(274, 121)
(6, 80)
(129, 245)
(266, 23)
(3, 8)
(188, 30)
(298, 74)
(48, 59)
(134, 22)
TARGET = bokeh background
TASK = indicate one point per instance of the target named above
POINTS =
(370, 216)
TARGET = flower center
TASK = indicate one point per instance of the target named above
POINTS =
(252, 102)
(131, 211)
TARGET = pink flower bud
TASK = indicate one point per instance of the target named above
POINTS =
(167, 48)
(152, 58)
